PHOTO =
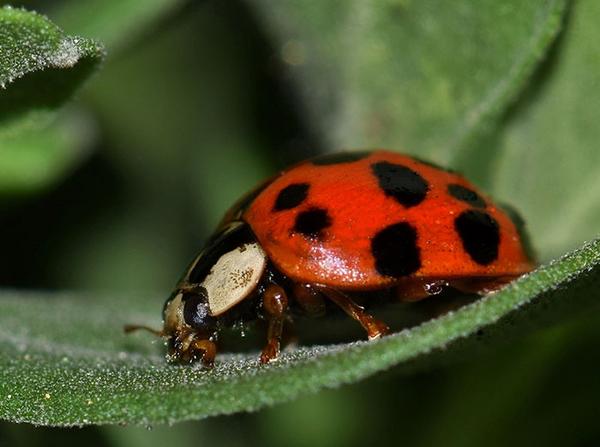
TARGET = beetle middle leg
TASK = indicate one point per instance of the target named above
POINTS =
(275, 303)
(374, 327)
(309, 299)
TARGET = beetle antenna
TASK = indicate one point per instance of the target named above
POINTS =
(136, 327)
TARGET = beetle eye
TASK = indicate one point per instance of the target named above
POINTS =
(196, 312)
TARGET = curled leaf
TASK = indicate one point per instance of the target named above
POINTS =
(40, 68)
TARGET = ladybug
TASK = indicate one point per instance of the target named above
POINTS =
(332, 229)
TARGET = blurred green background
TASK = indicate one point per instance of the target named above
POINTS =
(183, 117)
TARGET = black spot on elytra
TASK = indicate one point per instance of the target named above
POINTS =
(291, 196)
(466, 195)
(312, 222)
(480, 235)
(340, 157)
(395, 250)
(403, 184)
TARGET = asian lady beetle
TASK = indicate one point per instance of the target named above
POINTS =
(334, 227)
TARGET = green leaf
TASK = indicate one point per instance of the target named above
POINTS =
(33, 160)
(65, 360)
(40, 68)
(548, 162)
(114, 22)
(420, 76)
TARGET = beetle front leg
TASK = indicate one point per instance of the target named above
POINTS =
(208, 349)
(188, 347)
(374, 327)
(275, 303)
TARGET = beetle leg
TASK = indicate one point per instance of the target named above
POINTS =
(186, 347)
(309, 299)
(416, 289)
(208, 349)
(374, 327)
(275, 303)
(481, 286)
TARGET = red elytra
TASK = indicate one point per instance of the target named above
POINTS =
(357, 207)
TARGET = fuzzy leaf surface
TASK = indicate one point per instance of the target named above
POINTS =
(66, 361)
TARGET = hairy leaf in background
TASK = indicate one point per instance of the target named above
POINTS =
(40, 68)
(32, 160)
(548, 161)
(419, 76)
(40, 65)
